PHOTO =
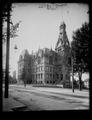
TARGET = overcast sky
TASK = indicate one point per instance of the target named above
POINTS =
(40, 27)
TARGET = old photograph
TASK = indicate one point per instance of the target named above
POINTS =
(45, 56)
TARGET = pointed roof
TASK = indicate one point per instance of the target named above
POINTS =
(62, 25)
(24, 52)
(62, 40)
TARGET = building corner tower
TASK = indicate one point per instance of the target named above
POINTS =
(63, 50)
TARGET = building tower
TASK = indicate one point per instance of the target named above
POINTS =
(63, 50)
(62, 40)
(24, 67)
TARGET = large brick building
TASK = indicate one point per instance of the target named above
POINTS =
(48, 66)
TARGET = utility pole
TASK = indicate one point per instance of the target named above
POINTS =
(72, 71)
(7, 51)
(72, 76)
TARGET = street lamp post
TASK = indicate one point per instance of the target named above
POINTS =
(7, 51)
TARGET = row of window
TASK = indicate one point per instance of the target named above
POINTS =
(50, 69)
(49, 81)
(41, 68)
(50, 76)
(37, 76)
(22, 64)
(40, 76)
(38, 69)
(21, 70)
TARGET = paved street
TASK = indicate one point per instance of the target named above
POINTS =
(41, 98)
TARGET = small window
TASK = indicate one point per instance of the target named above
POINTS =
(47, 81)
(41, 75)
(50, 75)
(57, 76)
(61, 76)
(69, 60)
(53, 76)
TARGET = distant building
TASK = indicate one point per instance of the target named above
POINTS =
(14, 74)
(24, 64)
(48, 66)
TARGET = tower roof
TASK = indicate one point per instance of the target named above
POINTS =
(62, 24)
(62, 40)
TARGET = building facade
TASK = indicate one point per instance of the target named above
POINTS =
(48, 66)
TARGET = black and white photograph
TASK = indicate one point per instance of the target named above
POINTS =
(45, 57)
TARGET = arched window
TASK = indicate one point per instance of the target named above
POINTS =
(61, 76)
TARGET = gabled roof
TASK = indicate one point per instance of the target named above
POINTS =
(24, 52)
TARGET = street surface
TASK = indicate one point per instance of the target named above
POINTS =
(42, 98)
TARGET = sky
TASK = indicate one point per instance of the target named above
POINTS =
(39, 27)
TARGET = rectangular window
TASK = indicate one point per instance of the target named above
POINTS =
(47, 75)
(41, 75)
(37, 76)
(50, 69)
(37, 69)
(53, 76)
(57, 76)
(46, 68)
(50, 75)
(41, 68)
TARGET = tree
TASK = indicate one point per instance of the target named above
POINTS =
(5, 13)
(13, 27)
(13, 31)
(80, 51)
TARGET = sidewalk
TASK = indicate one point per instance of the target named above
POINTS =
(10, 104)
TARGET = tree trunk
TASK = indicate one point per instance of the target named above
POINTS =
(80, 81)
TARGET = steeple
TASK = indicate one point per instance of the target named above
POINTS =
(62, 39)
(62, 26)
